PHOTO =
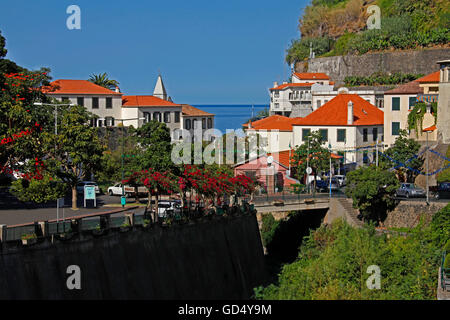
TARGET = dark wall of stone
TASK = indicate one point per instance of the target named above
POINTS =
(220, 258)
(339, 67)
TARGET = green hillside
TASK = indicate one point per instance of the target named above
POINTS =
(338, 27)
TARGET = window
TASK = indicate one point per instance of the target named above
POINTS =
(109, 121)
(187, 124)
(147, 117)
(157, 116)
(341, 135)
(95, 103)
(167, 116)
(305, 134)
(395, 128)
(325, 101)
(203, 123)
(209, 123)
(375, 134)
(177, 116)
(80, 101)
(324, 134)
(276, 94)
(319, 103)
(100, 123)
(108, 103)
(395, 103)
(94, 122)
(365, 135)
(277, 105)
(65, 99)
(412, 102)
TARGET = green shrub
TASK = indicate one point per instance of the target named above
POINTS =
(299, 49)
(447, 261)
(447, 246)
(444, 175)
(268, 228)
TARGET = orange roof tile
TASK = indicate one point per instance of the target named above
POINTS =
(146, 101)
(63, 86)
(189, 110)
(334, 113)
(311, 76)
(274, 122)
(431, 78)
(412, 87)
(288, 85)
(430, 129)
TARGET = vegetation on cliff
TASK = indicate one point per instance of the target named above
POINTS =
(337, 27)
(333, 262)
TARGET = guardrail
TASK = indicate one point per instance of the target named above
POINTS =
(79, 223)
(99, 223)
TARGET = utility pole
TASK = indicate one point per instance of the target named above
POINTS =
(307, 166)
(377, 151)
(329, 146)
(428, 192)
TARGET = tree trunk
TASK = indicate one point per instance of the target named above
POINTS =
(74, 198)
(156, 207)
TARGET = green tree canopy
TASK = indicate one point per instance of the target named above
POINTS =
(103, 80)
(404, 150)
(373, 191)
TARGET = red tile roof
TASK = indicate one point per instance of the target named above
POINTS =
(431, 78)
(311, 76)
(189, 110)
(334, 113)
(274, 122)
(146, 101)
(412, 87)
(63, 86)
(288, 85)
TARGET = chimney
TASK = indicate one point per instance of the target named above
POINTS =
(275, 84)
(350, 113)
(117, 89)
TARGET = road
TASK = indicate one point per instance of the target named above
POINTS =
(14, 212)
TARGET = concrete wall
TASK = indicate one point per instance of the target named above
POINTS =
(339, 67)
(221, 258)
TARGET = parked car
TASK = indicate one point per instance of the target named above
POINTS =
(335, 184)
(81, 184)
(443, 190)
(165, 208)
(116, 190)
(321, 185)
(410, 190)
(341, 179)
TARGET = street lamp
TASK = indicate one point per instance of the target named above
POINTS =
(428, 130)
(123, 147)
(56, 105)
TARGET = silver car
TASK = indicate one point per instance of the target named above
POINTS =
(410, 190)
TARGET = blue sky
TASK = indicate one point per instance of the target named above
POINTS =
(208, 51)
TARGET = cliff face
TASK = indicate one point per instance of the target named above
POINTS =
(220, 258)
(339, 67)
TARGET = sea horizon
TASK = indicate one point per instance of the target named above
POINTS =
(231, 119)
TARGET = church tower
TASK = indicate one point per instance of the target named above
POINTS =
(160, 90)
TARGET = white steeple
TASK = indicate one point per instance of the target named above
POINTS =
(160, 90)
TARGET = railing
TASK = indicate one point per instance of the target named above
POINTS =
(98, 223)
(445, 273)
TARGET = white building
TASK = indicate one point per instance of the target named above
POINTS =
(294, 99)
(349, 123)
(321, 96)
(113, 108)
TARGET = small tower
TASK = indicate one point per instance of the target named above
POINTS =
(160, 90)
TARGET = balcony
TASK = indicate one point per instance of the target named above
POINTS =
(300, 97)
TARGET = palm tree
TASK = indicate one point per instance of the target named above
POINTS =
(104, 81)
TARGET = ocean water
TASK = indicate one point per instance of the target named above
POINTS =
(231, 116)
